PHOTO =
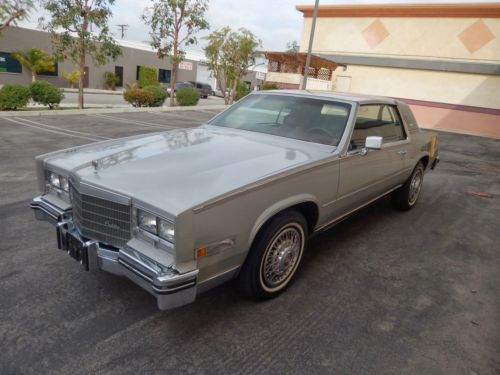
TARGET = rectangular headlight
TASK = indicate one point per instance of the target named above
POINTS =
(54, 180)
(146, 221)
(63, 182)
(58, 181)
(166, 230)
(156, 225)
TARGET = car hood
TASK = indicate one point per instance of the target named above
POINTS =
(179, 169)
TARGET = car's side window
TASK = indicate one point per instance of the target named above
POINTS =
(376, 120)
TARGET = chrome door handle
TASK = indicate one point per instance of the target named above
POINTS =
(402, 152)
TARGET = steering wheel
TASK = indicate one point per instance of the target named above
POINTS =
(319, 135)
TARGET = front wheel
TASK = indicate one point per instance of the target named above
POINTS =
(275, 256)
(407, 195)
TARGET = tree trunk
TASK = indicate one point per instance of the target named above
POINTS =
(33, 76)
(82, 51)
(80, 81)
(173, 78)
(233, 91)
(222, 87)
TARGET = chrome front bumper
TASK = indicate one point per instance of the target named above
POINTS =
(170, 288)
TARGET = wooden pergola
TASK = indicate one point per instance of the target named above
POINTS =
(294, 62)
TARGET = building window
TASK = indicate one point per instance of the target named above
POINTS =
(164, 76)
(50, 73)
(137, 72)
(8, 64)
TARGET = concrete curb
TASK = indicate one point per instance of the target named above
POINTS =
(107, 110)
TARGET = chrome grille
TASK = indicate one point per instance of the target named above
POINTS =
(100, 219)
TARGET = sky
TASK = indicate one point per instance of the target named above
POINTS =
(275, 22)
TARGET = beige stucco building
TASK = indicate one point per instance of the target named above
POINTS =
(443, 56)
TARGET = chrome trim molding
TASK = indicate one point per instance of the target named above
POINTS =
(218, 279)
(334, 158)
(344, 216)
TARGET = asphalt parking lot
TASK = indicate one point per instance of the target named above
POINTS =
(382, 292)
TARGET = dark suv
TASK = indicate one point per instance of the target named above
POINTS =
(204, 89)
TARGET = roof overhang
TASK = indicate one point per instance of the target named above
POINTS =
(299, 58)
(454, 10)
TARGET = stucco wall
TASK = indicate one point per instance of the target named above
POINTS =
(14, 38)
(468, 40)
(450, 38)
(445, 87)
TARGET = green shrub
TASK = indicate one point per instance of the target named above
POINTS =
(45, 93)
(269, 86)
(159, 94)
(14, 97)
(147, 76)
(241, 91)
(72, 77)
(139, 97)
(186, 96)
(110, 80)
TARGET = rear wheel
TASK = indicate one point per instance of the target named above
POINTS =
(407, 195)
(275, 256)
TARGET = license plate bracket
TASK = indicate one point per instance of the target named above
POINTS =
(77, 250)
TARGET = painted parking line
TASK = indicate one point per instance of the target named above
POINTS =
(43, 129)
(61, 129)
(210, 111)
(135, 122)
(173, 116)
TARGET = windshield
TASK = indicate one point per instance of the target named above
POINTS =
(307, 119)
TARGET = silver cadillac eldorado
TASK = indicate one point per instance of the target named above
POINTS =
(181, 211)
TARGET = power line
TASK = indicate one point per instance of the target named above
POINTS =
(123, 28)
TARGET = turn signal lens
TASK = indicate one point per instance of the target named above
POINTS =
(201, 251)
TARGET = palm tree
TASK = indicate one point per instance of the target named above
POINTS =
(35, 60)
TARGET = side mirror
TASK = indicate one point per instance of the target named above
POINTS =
(373, 142)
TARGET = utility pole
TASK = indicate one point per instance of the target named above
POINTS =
(122, 29)
(303, 84)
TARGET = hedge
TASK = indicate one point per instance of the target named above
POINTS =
(14, 97)
(139, 97)
(186, 96)
(147, 76)
(241, 91)
(159, 94)
(45, 93)
(270, 86)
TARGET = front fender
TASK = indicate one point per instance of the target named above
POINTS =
(277, 207)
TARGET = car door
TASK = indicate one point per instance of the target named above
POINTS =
(366, 174)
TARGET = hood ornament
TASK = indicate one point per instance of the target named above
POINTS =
(95, 164)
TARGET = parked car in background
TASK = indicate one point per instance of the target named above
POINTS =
(182, 211)
(203, 88)
(179, 85)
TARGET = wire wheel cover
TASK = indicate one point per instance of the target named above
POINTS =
(415, 186)
(281, 257)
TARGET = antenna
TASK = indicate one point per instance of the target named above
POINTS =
(123, 28)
